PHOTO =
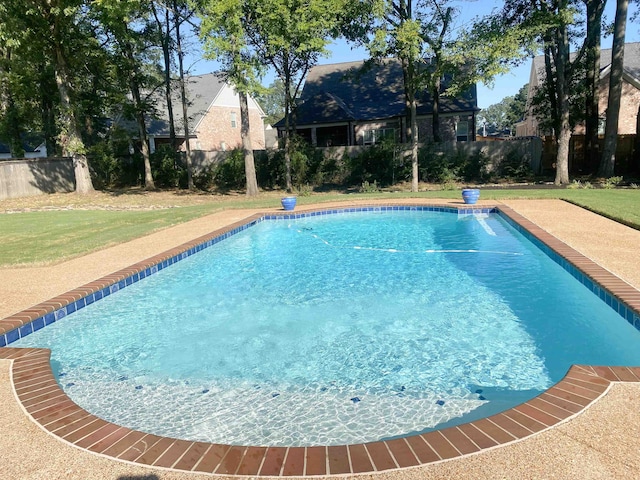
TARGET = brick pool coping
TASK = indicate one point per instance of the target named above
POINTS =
(42, 398)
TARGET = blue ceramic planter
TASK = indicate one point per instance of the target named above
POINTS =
(470, 195)
(288, 203)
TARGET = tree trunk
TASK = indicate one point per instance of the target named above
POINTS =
(564, 133)
(70, 138)
(592, 115)
(183, 97)
(142, 131)
(139, 110)
(636, 144)
(8, 111)
(166, 55)
(414, 148)
(608, 160)
(409, 80)
(287, 156)
(550, 84)
(435, 127)
(48, 116)
(247, 147)
(287, 129)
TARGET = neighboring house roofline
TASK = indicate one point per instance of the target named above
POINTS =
(626, 75)
(360, 92)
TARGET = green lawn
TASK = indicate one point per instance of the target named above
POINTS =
(52, 236)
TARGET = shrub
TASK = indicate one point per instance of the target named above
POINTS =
(270, 169)
(229, 174)
(577, 184)
(514, 167)
(383, 163)
(103, 165)
(612, 182)
(205, 178)
(303, 190)
(110, 169)
(367, 187)
(167, 168)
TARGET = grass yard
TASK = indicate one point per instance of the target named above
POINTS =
(52, 228)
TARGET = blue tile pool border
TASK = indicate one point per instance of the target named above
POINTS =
(28, 321)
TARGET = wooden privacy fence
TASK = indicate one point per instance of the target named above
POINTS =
(34, 176)
(627, 161)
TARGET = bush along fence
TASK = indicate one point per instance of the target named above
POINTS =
(366, 168)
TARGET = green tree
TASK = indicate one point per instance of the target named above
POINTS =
(506, 113)
(421, 35)
(272, 101)
(169, 18)
(63, 28)
(182, 12)
(10, 39)
(495, 117)
(125, 28)
(288, 36)
(550, 24)
(26, 72)
(163, 30)
(398, 33)
(227, 40)
(517, 108)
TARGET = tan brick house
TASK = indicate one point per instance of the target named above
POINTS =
(529, 126)
(214, 117)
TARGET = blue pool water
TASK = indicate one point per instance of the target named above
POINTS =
(336, 329)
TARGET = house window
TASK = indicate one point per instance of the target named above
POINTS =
(462, 131)
(371, 137)
(234, 120)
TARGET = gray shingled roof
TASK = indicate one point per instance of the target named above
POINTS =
(342, 92)
(631, 61)
(201, 91)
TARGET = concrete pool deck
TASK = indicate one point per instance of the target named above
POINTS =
(601, 442)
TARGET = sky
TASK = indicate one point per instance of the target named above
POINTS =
(503, 86)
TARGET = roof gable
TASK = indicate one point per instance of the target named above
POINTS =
(203, 93)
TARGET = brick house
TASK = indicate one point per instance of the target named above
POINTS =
(343, 104)
(529, 126)
(214, 117)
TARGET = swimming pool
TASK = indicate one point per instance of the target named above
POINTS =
(470, 278)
